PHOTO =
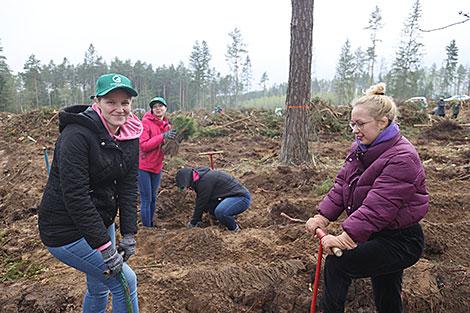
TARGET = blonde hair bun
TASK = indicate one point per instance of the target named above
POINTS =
(376, 90)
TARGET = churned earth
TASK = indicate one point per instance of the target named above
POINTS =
(269, 265)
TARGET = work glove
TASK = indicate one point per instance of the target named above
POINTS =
(127, 245)
(191, 225)
(317, 221)
(343, 242)
(171, 134)
(113, 260)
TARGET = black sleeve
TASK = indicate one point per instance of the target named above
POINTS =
(203, 197)
(74, 179)
(127, 191)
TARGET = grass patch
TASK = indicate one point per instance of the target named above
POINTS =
(211, 132)
(14, 269)
(324, 187)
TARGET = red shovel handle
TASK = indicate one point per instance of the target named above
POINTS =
(320, 234)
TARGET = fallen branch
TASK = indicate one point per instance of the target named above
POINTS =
(230, 123)
(292, 219)
(52, 118)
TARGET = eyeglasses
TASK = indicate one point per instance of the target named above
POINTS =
(358, 125)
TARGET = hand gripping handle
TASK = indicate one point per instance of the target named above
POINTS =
(320, 234)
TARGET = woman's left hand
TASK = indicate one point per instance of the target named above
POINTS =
(343, 242)
(127, 245)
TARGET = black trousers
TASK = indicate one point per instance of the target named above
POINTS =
(382, 258)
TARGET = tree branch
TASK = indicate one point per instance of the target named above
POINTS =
(447, 26)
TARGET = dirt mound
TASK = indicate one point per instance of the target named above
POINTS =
(269, 265)
(446, 130)
(410, 113)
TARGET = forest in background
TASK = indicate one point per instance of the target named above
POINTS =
(199, 85)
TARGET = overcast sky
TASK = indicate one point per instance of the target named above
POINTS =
(163, 32)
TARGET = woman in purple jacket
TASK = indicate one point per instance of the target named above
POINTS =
(381, 186)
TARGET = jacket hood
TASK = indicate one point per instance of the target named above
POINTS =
(184, 176)
(80, 114)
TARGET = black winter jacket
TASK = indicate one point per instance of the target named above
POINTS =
(212, 187)
(92, 176)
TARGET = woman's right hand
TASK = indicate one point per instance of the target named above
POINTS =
(318, 221)
(171, 134)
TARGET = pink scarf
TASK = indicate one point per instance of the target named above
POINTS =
(132, 129)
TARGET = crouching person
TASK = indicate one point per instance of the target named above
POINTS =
(217, 192)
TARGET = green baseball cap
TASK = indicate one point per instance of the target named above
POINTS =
(158, 99)
(109, 82)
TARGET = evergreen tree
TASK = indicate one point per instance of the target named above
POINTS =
(246, 75)
(405, 68)
(344, 81)
(6, 85)
(88, 72)
(431, 82)
(34, 93)
(375, 24)
(263, 81)
(235, 55)
(460, 78)
(199, 64)
(450, 67)
(361, 76)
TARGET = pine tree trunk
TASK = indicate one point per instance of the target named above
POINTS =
(294, 147)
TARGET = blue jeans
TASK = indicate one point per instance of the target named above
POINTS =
(81, 256)
(229, 207)
(149, 183)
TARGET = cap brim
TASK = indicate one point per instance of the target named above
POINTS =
(131, 91)
(153, 102)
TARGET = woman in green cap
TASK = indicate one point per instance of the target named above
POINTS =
(156, 131)
(93, 175)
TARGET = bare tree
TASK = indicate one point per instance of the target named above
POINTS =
(294, 146)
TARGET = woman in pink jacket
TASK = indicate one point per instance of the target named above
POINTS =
(156, 131)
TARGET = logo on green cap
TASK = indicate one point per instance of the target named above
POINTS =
(117, 79)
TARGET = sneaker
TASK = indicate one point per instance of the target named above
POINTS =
(237, 229)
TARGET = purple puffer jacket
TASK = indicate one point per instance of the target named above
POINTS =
(382, 188)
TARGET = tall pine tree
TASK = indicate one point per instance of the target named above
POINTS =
(375, 24)
(450, 67)
(6, 85)
(403, 78)
(344, 81)
(235, 55)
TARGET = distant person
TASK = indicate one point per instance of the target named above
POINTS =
(381, 187)
(217, 193)
(440, 109)
(456, 109)
(93, 176)
(218, 109)
(156, 130)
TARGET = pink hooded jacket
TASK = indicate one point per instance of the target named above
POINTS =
(151, 155)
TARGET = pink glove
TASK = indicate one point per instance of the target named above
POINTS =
(315, 222)
(343, 242)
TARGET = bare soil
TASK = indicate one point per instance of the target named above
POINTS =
(269, 265)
